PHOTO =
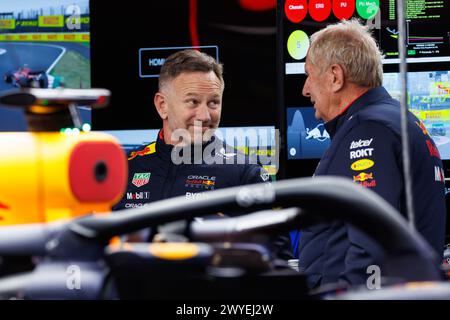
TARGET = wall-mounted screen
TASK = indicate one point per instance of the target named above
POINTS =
(428, 56)
(43, 44)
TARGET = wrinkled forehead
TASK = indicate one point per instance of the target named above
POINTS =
(309, 66)
(190, 78)
(204, 81)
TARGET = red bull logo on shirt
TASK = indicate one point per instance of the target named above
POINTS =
(202, 182)
(147, 150)
(363, 179)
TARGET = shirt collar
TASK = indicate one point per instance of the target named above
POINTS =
(360, 103)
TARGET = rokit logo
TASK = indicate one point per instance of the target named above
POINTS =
(360, 144)
(138, 195)
(361, 153)
(200, 182)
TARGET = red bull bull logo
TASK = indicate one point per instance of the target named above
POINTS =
(363, 177)
(367, 184)
(147, 150)
(209, 182)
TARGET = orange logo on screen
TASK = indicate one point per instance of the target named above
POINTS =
(363, 177)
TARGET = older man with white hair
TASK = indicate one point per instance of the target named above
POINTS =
(345, 72)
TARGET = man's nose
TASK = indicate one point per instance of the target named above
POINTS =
(305, 90)
(203, 114)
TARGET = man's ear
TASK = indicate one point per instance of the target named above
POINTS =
(161, 105)
(338, 77)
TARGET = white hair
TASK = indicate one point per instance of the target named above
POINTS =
(350, 45)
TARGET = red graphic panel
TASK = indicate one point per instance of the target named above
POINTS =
(319, 10)
(296, 10)
(343, 9)
(258, 5)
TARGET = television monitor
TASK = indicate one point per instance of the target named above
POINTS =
(428, 56)
(44, 44)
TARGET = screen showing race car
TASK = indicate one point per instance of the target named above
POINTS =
(428, 56)
(429, 100)
(43, 44)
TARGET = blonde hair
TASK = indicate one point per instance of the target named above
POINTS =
(349, 44)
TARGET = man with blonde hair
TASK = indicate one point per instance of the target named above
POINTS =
(344, 72)
(189, 102)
